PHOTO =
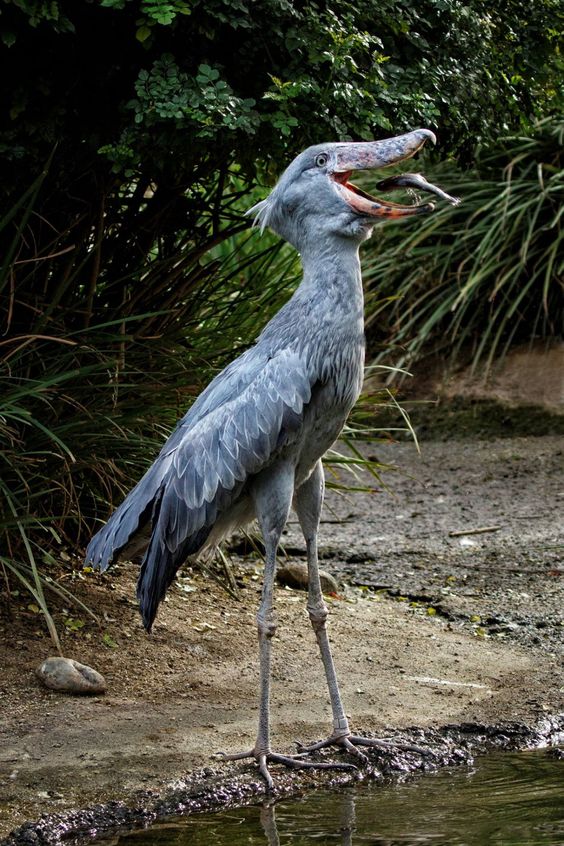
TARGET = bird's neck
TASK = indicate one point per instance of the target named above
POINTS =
(331, 269)
(327, 309)
(328, 315)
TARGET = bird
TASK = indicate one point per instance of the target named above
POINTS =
(250, 446)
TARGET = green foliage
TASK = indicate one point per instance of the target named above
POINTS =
(484, 274)
(37, 12)
(280, 73)
(204, 104)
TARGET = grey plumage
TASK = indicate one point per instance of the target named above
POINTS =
(253, 440)
(243, 420)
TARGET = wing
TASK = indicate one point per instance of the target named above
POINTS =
(205, 464)
(128, 521)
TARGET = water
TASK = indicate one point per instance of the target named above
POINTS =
(504, 800)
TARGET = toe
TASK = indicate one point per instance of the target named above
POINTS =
(235, 756)
(350, 747)
(263, 769)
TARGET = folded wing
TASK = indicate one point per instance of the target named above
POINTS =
(204, 467)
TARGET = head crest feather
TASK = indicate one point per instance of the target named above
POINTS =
(261, 212)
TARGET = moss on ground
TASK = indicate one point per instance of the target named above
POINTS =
(460, 419)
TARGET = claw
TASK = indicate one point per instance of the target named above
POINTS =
(390, 745)
(350, 747)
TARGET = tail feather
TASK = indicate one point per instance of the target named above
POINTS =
(159, 567)
(176, 534)
(105, 547)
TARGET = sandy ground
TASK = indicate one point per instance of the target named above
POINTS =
(451, 629)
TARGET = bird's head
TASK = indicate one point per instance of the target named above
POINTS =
(314, 196)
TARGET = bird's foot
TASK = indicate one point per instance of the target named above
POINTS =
(294, 761)
(351, 742)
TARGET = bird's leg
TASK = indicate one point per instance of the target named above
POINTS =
(272, 494)
(308, 502)
(266, 624)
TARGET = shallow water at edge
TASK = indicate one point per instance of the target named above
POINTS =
(503, 800)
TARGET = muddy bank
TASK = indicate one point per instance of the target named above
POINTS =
(216, 788)
(429, 630)
(527, 381)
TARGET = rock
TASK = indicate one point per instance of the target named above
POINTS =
(70, 676)
(295, 576)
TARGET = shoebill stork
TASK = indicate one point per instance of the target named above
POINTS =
(251, 444)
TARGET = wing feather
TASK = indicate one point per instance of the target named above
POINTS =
(137, 509)
(204, 466)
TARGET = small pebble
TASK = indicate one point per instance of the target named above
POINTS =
(70, 676)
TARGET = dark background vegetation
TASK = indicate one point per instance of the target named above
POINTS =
(133, 137)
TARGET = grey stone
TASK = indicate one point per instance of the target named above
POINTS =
(70, 676)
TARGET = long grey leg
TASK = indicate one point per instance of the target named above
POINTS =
(308, 502)
(272, 494)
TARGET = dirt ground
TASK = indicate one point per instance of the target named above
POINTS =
(428, 629)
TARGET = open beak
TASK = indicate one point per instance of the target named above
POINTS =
(377, 154)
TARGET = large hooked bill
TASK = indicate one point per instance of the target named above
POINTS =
(377, 154)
